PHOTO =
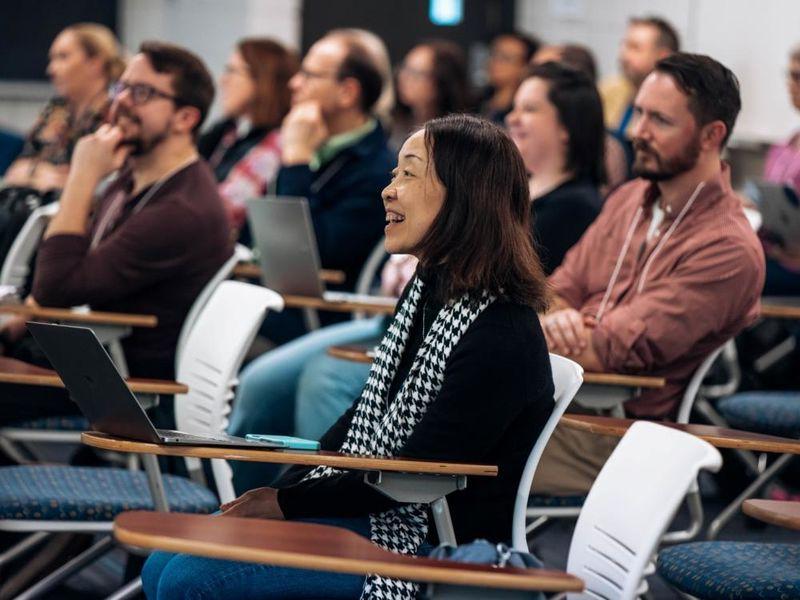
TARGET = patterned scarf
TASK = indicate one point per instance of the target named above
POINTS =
(381, 428)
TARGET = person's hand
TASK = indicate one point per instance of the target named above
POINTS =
(48, 177)
(566, 331)
(788, 258)
(41, 175)
(13, 329)
(302, 132)
(260, 503)
(19, 173)
(396, 274)
(99, 154)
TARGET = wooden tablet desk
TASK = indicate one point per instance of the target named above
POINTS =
(777, 512)
(81, 317)
(253, 271)
(365, 354)
(404, 480)
(109, 327)
(777, 307)
(378, 307)
(19, 372)
(320, 547)
(716, 436)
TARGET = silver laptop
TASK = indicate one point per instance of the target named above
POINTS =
(287, 248)
(97, 387)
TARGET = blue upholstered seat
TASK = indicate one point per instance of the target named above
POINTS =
(70, 423)
(542, 501)
(733, 570)
(775, 413)
(64, 493)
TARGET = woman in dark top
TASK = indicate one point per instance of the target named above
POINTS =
(244, 148)
(463, 373)
(557, 125)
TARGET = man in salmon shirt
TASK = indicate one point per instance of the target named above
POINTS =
(668, 272)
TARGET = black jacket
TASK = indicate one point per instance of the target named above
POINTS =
(494, 402)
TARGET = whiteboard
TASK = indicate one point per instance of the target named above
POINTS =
(751, 37)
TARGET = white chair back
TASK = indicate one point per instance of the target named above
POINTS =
(240, 254)
(370, 269)
(630, 505)
(567, 379)
(210, 362)
(17, 264)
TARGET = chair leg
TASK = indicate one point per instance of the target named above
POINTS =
(722, 519)
(695, 505)
(22, 547)
(68, 569)
(129, 590)
(15, 452)
(536, 524)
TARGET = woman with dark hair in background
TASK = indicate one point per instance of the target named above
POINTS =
(557, 125)
(244, 148)
(462, 374)
(431, 82)
(505, 70)
(84, 60)
(617, 158)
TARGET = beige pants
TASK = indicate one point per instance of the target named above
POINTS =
(571, 461)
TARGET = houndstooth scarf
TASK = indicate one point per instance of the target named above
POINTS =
(381, 429)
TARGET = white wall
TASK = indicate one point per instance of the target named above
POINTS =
(207, 27)
(752, 38)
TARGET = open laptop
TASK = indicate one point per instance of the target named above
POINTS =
(97, 387)
(780, 212)
(287, 247)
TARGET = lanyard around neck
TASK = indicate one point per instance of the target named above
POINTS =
(117, 203)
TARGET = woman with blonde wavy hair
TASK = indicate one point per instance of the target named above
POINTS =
(83, 60)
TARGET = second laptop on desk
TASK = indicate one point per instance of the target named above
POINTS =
(287, 248)
(97, 387)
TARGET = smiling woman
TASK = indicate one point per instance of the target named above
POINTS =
(462, 374)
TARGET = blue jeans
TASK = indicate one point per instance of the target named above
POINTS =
(265, 400)
(166, 575)
(328, 386)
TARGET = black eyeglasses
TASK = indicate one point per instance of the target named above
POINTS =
(308, 74)
(141, 93)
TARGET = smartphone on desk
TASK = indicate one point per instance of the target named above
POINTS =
(284, 441)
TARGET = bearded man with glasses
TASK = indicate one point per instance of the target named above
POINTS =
(152, 239)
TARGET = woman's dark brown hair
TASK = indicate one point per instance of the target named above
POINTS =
(450, 78)
(271, 66)
(481, 239)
